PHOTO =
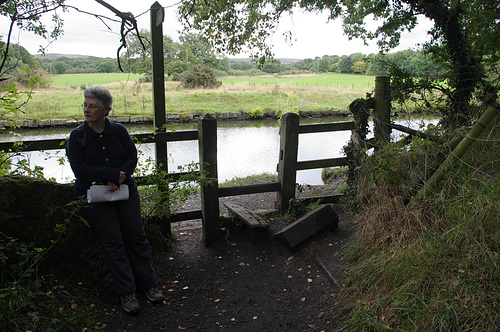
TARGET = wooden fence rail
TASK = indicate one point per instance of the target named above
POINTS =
(207, 141)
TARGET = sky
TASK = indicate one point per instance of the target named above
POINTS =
(86, 35)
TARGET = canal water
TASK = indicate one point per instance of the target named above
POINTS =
(244, 148)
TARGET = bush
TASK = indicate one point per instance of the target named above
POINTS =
(146, 79)
(200, 77)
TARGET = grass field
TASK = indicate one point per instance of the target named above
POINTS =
(312, 93)
(344, 81)
(93, 79)
(320, 80)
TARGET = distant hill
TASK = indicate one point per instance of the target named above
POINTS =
(74, 56)
(60, 55)
(282, 60)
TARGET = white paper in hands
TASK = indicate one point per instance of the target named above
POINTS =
(101, 193)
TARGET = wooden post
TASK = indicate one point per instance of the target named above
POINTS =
(382, 111)
(287, 167)
(458, 152)
(157, 16)
(207, 142)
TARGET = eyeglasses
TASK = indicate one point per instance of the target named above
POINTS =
(89, 106)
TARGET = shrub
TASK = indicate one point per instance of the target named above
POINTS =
(200, 77)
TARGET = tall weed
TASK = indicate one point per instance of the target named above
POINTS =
(433, 265)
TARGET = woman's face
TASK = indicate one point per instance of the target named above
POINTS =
(92, 111)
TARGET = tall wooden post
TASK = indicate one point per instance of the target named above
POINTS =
(207, 142)
(157, 16)
(287, 166)
(382, 111)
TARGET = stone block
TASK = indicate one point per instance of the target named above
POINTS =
(58, 122)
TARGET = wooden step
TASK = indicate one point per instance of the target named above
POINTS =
(308, 226)
(248, 217)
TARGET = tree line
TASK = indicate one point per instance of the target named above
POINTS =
(193, 50)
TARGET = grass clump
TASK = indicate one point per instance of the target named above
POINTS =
(431, 265)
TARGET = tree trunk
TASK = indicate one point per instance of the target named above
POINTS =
(466, 73)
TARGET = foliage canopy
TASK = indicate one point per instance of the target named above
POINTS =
(464, 34)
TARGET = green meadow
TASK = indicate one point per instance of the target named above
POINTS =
(343, 81)
(306, 93)
(77, 80)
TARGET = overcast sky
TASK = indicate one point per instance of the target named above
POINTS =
(86, 35)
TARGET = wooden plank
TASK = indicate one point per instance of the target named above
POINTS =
(51, 144)
(249, 189)
(186, 135)
(287, 167)
(158, 84)
(186, 215)
(59, 144)
(321, 163)
(248, 217)
(207, 146)
(382, 111)
(308, 226)
(319, 128)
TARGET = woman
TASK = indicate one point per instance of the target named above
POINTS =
(104, 153)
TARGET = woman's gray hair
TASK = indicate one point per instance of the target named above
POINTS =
(102, 94)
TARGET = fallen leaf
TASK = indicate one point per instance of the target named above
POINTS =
(303, 299)
(217, 300)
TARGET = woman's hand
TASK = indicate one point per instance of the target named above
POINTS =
(123, 176)
(112, 186)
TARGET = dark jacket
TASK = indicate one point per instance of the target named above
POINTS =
(103, 157)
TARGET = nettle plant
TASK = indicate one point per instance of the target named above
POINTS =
(163, 193)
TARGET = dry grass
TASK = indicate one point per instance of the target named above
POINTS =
(134, 99)
(432, 265)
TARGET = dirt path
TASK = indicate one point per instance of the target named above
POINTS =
(240, 285)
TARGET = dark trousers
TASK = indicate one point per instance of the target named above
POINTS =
(126, 247)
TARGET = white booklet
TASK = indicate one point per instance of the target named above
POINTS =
(101, 193)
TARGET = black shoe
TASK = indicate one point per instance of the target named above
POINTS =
(154, 295)
(129, 303)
